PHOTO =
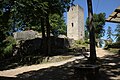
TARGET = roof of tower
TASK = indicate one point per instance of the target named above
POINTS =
(77, 5)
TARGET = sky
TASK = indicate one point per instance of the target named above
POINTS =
(100, 6)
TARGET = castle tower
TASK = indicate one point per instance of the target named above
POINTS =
(75, 23)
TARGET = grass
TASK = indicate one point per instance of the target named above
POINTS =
(114, 50)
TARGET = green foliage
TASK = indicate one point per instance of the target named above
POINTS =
(28, 13)
(98, 23)
(58, 24)
(109, 33)
(114, 45)
(4, 21)
(4, 24)
(107, 43)
(8, 49)
(86, 34)
(18, 14)
(7, 46)
(113, 50)
(117, 30)
(10, 41)
(80, 43)
(109, 37)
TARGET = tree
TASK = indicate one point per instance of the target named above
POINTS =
(86, 34)
(90, 24)
(58, 24)
(109, 33)
(18, 14)
(91, 28)
(98, 23)
(37, 12)
(54, 6)
(4, 21)
(117, 30)
(5, 28)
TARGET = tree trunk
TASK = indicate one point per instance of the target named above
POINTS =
(93, 56)
(42, 27)
(48, 35)
(44, 47)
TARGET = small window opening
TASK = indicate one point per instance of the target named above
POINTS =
(72, 9)
(72, 25)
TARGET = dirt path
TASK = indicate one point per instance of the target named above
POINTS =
(20, 70)
(100, 52)
(14, 72)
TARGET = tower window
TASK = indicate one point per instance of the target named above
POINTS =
(81, 33)
(72, 24)
(72, 9)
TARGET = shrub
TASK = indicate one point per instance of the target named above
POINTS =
(7, 46)
(8, 49)
(80, 43)
(114, 45)
(113, 50)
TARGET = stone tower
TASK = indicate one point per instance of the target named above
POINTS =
(75, 23)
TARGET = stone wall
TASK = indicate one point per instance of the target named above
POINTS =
(30, 42)
(26, 35)
(34, 46)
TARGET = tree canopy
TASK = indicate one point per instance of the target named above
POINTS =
(4, 21)
(109, 33)
(18, 14)
(58, 24)
(117, 30)
(98, 23)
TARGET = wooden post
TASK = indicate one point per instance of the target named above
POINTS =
(93, 56)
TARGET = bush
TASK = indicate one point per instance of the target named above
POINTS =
(113, 50)
(114, 45)
(7, 47)
(80, 43)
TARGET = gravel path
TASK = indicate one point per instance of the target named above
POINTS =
(100, 52)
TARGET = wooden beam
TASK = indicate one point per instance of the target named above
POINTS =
(115, 16)
(112, 21)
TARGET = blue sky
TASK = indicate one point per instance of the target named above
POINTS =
(106, 6)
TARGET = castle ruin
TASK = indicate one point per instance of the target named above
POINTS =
(75, 23)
